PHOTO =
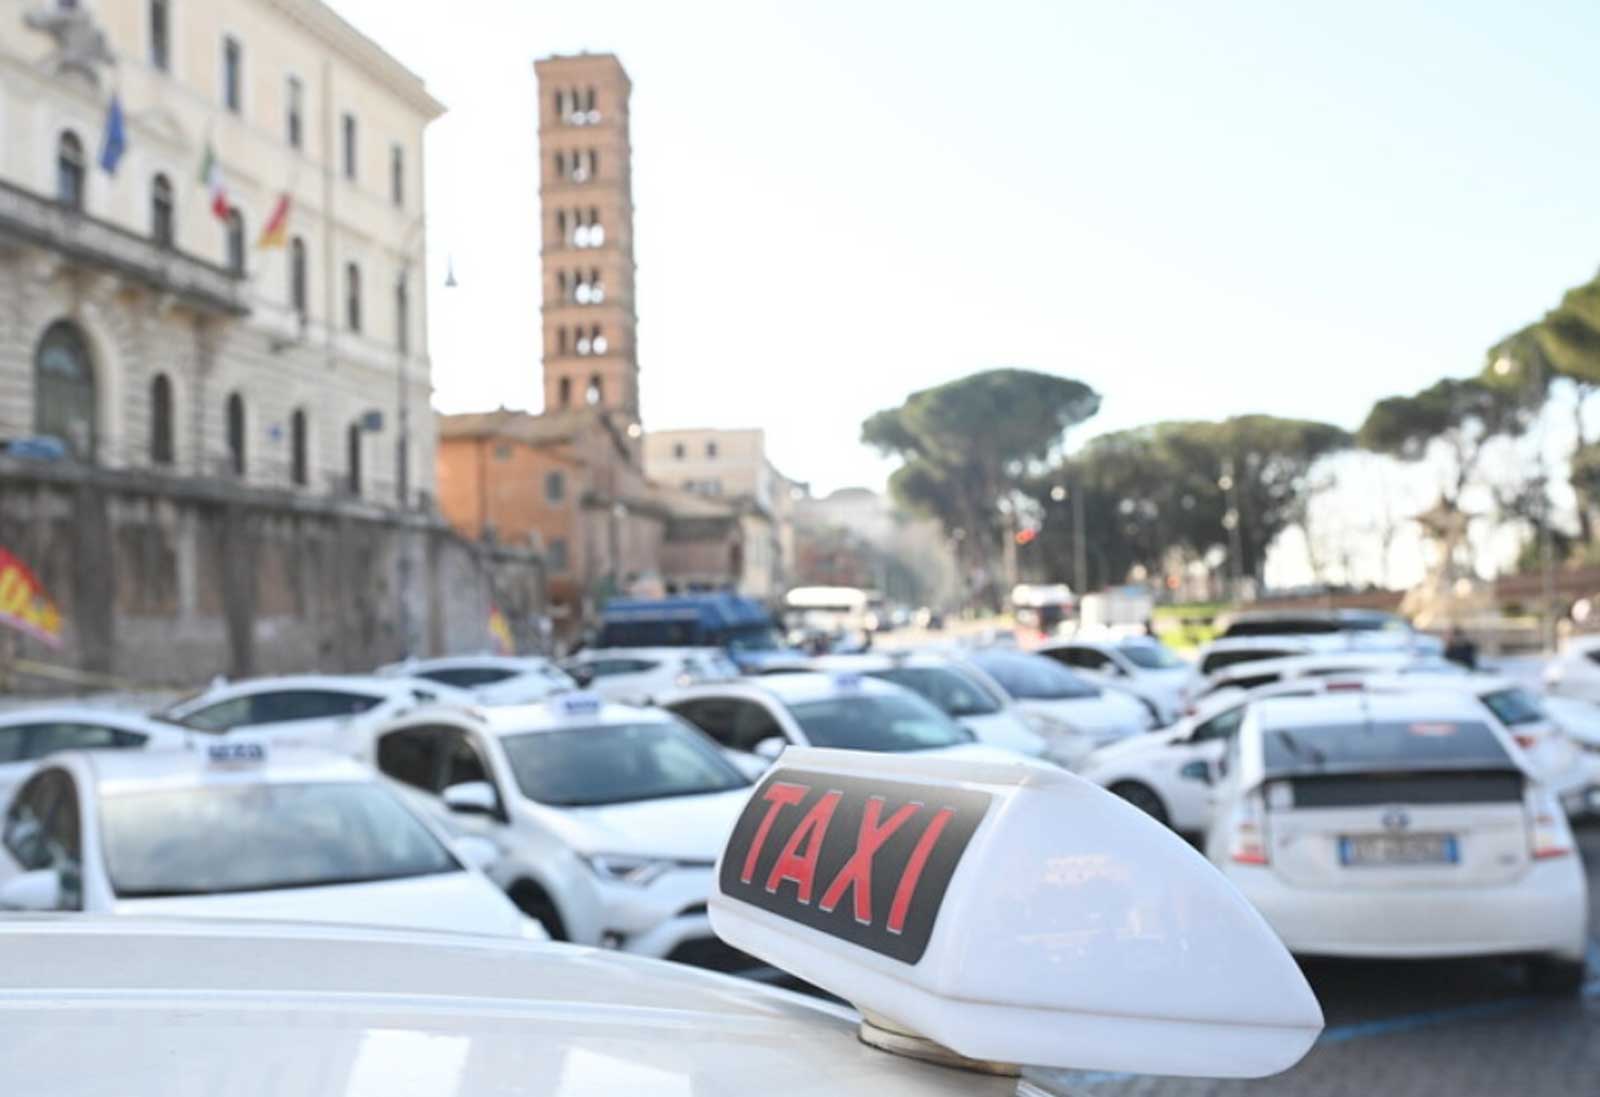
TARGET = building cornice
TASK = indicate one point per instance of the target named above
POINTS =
(327, 26)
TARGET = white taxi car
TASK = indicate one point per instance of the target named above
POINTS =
(29, 734)
(755, 719)
(1575, 672)
(1098, 713)
(1140, 665)
(1168, 774)
(959, 691)
(1553, 757)
(230, 832)
(308, 710)
(489, 679)
(606, 818)
(1400, 825)
(637, 676)
(871, 876)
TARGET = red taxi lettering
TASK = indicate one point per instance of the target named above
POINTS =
(857, 871)
(801, 868)
(780, 795)
(914, 866)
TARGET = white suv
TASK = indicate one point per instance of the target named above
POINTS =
(637, 676)
(608, 818)
(317, 710)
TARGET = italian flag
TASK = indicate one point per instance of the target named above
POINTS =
(211, 176)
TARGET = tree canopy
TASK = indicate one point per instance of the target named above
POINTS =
(1464, 414)
(1159, 488)
(966, 446)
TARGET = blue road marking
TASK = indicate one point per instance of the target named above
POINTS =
(1388, 1026)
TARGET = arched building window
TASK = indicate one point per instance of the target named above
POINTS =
(64, 399)
(352, 445)
(299, 473)
(161, 211)
(69, 170)
(298, 295)
(236, 251)
(234, 413)
(161, 448)
(596, 393)
(564, 392)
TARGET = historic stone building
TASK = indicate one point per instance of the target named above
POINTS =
(205, 443)
(142, 326)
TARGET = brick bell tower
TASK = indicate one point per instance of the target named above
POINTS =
(586, 208)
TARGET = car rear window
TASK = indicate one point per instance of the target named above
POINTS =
(1514, 706)
(466, 677)
(1308, 626)
(1220, 660)
(1383, 746)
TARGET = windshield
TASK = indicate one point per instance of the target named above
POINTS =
(1410, 745)
(1033, 677)
(878, 723)
(1375, 622)
(753, 638)
(954, 693)
(262, 837)
(1514, 706)
(1151, 657)
(619, 763)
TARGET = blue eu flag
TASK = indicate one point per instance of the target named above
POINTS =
(116, 138)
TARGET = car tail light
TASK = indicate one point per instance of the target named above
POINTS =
(1348, 686)
(1526, 742)
(1548, 833)
(1247, 838)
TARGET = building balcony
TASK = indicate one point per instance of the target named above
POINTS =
(87, 241)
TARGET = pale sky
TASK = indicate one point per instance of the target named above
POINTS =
(1199, 209)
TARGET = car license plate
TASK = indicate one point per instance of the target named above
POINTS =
(1361, 850)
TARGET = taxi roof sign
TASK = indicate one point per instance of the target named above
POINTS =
(1010, 914)
(577, 703)
(236, 753)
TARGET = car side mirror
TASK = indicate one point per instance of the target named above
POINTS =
(581, 675)
(475, 851)
(1197, 771)
(471, 798)
(770, 748)
(39, 889)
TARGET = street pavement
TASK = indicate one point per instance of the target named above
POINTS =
(1420, 1029)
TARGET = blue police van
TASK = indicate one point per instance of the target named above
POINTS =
(740, 626)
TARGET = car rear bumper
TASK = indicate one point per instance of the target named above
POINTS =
(1544, 912)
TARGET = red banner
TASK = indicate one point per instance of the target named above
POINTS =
(24, 605)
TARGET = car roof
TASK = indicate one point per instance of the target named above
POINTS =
(369, 683)
(116, 771)
(447, 662)
(870, 662)
(792, 689)
(645, 653)
(550, 715)
(447, 1013)
(91, 714)
(1362, 707)
(1355, 661)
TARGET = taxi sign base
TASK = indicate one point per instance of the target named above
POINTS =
(885, 1035)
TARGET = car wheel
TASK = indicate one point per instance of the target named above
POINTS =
(1554, 975)
(1144, 798)
(533, 901)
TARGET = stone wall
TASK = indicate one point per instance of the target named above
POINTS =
(171, 581)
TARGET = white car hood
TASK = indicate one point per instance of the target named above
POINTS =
(1108, 716)
(690, 828)
(1137, 745)
(1006, 730)
(461, 902)
(979, 752)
